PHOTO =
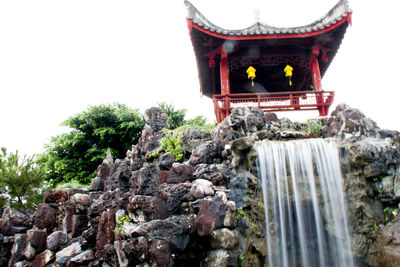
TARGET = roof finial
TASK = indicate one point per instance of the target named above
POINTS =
(257, 14)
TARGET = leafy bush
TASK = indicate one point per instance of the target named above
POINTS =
(76, 155)
(171, 143)
(21, 181)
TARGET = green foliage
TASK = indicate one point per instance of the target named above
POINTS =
(239, 213)
(71, 184)
(176, 118)
(20, 181)
(311, 128)
(121, 221)
(76, 155)
(241, 257)
(171, 143)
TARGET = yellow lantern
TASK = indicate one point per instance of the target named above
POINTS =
(251, 74)
(289, 73)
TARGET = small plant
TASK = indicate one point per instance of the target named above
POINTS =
(312, 129)
(376, 228)
(121, 221)
(171, 143)
(241, 257)
(240, 213)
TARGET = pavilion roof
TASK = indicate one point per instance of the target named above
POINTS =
(336, 15)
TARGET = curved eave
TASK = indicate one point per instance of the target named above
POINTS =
(334, 18)
(305, 34)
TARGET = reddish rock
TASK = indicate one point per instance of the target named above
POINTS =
(105, 233)
(163, 177)
(180, 173)
(160, 254)
(17, 249)
(45, 217)
(55, 196)
(42, 259)
(37, 238)
(136, 248)
(13, 221)
(83, 257)
(79, 224)
(210, 215)
(151, 207)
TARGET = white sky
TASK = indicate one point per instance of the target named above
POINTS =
(59, 57)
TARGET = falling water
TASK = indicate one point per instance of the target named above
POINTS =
(306, 222)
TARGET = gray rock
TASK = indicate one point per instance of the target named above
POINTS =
(217, 258)
(145, 180)
(166, 160)
(224, 238)
(45, 217)
(96, 184)
(83, 257)
(201, 188)
(208, 152)
(180, 173)
(55, 240)
(70, 251)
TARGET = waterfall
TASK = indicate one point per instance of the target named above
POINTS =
(306, 222)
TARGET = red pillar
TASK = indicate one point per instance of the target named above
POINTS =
(224, 69)
(225, 88)
(316, 78)
(315, 72)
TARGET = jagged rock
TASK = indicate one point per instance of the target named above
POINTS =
(13, 221)
(96, 184)
(55, 196)
(243, 154)
(217, 258)
(85, 256)
(156, 119)
(17, 249)
(158, 229)
(105, 233)
(136, 248)
(112, 200)
(172, 195)
(160, 254)
(166, 160)
(345, 120)
(80, 203)
(45, 217)
(103, 170)
(64, 255)
(36, 242)
(386, 250)
(42, 259)
(119, 176)
(55, 240)
(210, 215)
(271, 117)
(79, 224)
(180, 173)
(201, 188)
(148, 206)
(208, 152)
(145, 180)
(122, 260)
(255, 120)
(215, 173)
(224, 238)
(193, 137)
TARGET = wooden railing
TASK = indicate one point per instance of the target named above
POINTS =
(272, 102)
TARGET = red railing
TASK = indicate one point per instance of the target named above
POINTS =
(272, 102)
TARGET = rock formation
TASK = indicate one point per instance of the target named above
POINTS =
(207, 209)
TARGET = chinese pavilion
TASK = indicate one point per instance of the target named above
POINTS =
(275, 69)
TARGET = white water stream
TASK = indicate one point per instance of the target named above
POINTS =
(306, 221)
